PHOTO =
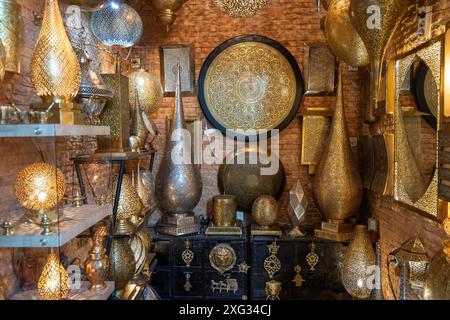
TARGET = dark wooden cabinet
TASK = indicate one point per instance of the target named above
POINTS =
(323, 282)
(169, 278)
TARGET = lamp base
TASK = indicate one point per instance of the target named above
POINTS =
(213, 230)
(179, 225)
(274, 231)
(67, 113)
(335, 230)
(35, 216)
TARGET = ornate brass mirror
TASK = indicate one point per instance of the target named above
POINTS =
(417, 108)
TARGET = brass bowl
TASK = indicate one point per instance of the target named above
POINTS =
(265, 211)
(246, 182)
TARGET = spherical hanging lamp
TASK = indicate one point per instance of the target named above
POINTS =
(117, 24)
(148, 89)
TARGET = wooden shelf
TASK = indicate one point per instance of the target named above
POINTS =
(51, 130)
(82, 294)
(73, 222)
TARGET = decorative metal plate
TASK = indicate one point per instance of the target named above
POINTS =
(250, 83)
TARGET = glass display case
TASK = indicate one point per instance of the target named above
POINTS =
(53, 232)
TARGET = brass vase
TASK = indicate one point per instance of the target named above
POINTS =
(54, 69)
(376, 21)
(360, 257)
(122, 262)
(97, 265)
(224, 211)
(342, 37)
(337, 185)
(178, 183)
(10, 26)
(265, 211)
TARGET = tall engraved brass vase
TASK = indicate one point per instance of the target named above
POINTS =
(356, 272)
(337, 186)
(342, 37)
(178, 183)
(376, 21)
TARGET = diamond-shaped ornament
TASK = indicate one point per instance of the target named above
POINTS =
(298, 205)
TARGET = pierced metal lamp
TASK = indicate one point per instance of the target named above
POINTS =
(117, 24)
(55, 71)
(53, 283)
(39, 187)
(149, 91)
(240, 8)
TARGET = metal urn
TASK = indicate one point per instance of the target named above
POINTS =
(178, 183)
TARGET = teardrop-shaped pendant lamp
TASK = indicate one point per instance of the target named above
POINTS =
(117, 24)
(55, 70)
(53, 283)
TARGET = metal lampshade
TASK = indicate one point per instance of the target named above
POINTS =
(149, 91)
(53, 283)
(117, 24)
(40, 186)
(55, 71)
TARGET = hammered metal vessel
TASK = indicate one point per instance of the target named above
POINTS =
(376, 21)
(178, 185)
(337, 186)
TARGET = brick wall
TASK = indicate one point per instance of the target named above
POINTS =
(201, 23)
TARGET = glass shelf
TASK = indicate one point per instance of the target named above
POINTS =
(51, 130)
(73, 222)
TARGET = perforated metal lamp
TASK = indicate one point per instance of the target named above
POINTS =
(117, 24)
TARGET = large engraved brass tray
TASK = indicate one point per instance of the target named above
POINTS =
(250, 83)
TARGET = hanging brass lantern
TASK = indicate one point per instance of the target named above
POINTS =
(55, 71)
(337, 186)
(167, 11)
(117, 24)
(359, 257)
(342, 37)
(148, 89)
(376, 21)
(10, 26)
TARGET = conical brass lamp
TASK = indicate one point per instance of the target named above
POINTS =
(55, 70)
(376, 21)
(53, 283)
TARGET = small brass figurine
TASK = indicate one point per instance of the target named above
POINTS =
(298, 279)
(187, 255)
(312, 258)
(97, 265)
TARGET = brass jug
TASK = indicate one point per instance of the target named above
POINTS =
(178, 184)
